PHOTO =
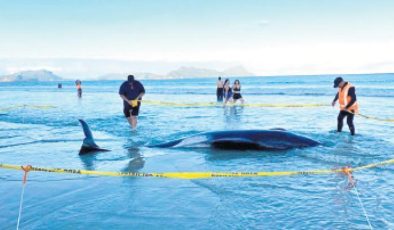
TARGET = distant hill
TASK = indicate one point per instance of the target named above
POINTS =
(186, 72)
(36, 75)
(123, 76)
(183, 72)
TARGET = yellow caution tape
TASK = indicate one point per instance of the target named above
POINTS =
(374, 165)
(375, 118)
(41, 106)
(213, 104)
(27, 106)
(195, 175)
(370, 117)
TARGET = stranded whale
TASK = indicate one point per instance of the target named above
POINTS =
(277, 139)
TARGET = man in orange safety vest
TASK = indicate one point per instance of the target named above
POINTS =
(348, 104)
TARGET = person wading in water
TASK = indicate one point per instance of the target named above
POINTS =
(219, 90)
(348, 104)
(131, 91)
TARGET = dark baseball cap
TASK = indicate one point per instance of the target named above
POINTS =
(130, 78)
(337, 81)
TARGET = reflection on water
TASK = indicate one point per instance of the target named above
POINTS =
(137, 161)
(233, 115)
(88, 160)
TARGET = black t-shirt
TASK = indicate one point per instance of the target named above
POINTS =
(131, 91)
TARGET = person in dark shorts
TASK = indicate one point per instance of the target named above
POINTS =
(237, 92)
(131, 91)
(348, 104)
(78, 84)
(219, 90)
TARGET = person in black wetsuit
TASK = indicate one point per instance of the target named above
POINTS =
(131, 91)
(348, 104)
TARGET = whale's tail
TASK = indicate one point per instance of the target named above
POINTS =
(88, 144)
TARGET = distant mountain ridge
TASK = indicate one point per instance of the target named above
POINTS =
(183, 72)
(31, 75)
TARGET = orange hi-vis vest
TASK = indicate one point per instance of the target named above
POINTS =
(344, 99)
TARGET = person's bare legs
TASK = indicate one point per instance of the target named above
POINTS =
(133, 122)
(130, 121)
(228, 101)
(225, 102)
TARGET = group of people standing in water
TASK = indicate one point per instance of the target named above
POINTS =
(225, 93)
(132, 91)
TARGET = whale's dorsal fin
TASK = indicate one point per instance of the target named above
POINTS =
(89, 140)
(88, 144)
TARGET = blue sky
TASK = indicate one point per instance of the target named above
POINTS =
(267, 37)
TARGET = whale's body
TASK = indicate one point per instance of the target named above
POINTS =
(231, 139)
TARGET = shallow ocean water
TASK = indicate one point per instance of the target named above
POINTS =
(50, 136)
